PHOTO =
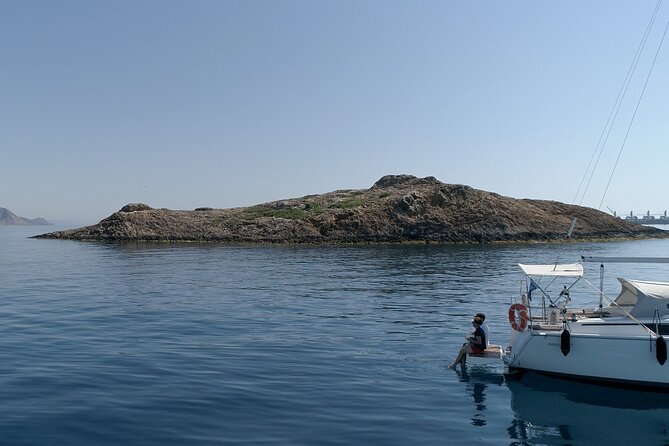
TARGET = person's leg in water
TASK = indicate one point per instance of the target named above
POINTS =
(462, 356)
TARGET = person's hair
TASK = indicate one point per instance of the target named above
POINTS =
(477, 320)
(480, 316)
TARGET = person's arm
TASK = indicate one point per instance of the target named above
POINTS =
(478, 337)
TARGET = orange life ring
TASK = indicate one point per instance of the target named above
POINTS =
(522, 314)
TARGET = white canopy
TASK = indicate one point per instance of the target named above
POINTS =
(645, 297)
(564, 270)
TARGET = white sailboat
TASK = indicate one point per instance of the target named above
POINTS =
(619, 343)
(621, 340)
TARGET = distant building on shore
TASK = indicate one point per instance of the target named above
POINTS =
(648, 218)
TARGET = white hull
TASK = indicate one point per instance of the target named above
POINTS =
(611, 350)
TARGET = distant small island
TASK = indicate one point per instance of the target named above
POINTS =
(8, 218)
(396, 209)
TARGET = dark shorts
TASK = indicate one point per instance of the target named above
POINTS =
(476, 350)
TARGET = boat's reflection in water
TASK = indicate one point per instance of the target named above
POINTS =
(549, 410)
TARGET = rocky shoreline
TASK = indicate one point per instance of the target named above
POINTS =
(396, 209)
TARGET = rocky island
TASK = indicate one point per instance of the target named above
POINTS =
(397, 208)
(8, 218)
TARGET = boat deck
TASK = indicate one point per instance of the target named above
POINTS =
(490, 354)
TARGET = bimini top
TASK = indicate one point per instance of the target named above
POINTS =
(564, 270)
(644, 297)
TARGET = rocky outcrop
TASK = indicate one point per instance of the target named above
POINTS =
(9, 218)
(134, 207)
(397, 208)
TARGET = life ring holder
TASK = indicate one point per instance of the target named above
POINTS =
(522, 315)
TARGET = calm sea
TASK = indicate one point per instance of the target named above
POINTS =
(156, 344)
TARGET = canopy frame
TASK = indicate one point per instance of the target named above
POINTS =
(554, 271)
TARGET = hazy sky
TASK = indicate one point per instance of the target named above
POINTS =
(181, 104)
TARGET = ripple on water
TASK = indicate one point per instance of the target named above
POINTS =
(176, 344)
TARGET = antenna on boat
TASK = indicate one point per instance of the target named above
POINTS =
(601, 286)
(571, 227)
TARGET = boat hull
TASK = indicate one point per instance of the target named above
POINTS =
(628, 360)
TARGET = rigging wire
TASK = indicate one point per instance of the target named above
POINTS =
(614, 109)
(606, 131)
(613, 114)
(622, 146)
(617, 109)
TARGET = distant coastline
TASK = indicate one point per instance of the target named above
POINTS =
(8, 218)
(396, 209)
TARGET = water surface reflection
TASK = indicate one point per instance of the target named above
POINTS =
(477, 380)
(554, 411)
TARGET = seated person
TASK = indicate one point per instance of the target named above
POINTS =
(485, 328)
(476, 344)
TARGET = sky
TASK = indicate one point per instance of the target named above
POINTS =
(184, 104)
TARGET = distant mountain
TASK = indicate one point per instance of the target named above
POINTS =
(8, 218)
(398, 208)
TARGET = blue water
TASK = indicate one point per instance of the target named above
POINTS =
(212, 344)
